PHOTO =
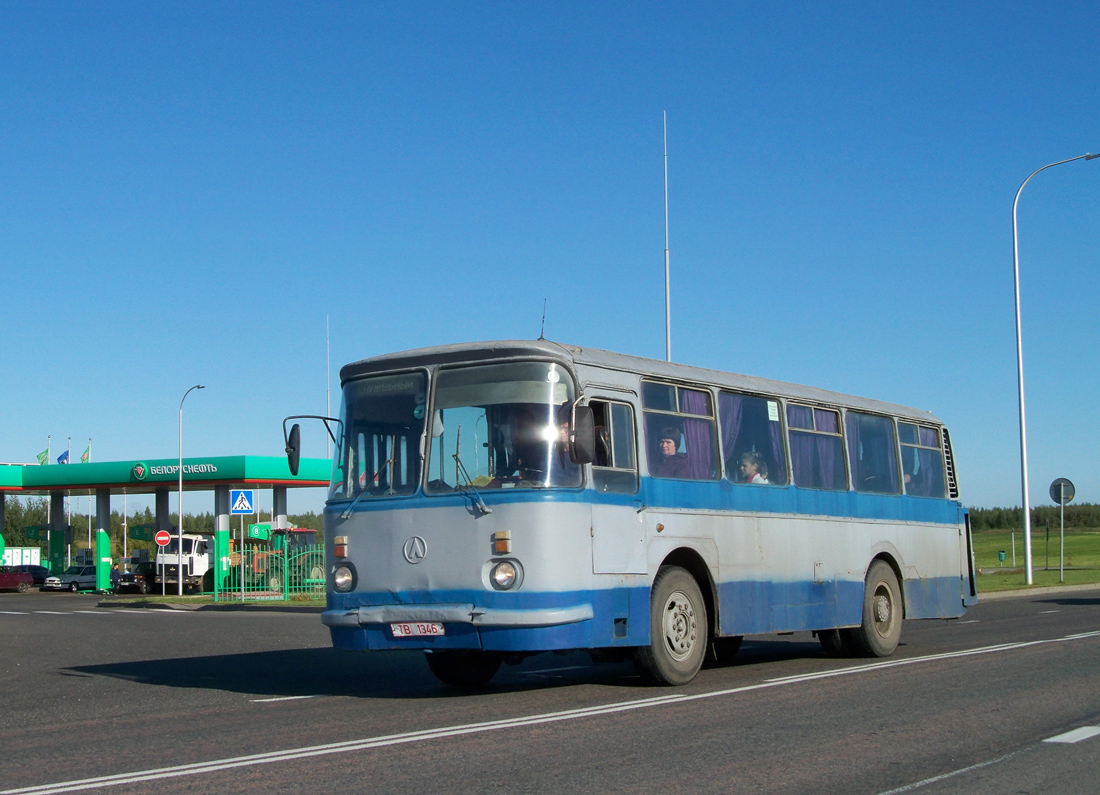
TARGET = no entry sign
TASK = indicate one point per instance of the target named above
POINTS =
(162, 538)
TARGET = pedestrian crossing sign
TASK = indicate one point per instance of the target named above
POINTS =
(241, 501)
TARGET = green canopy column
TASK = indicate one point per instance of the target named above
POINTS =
(102, 560)
(221, 538)
(103, 539)
(57, 532)
(3, 501)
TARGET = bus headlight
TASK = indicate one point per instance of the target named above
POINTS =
(504, 575)
(343, 577)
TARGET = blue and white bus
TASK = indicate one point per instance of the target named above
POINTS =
(494, 500)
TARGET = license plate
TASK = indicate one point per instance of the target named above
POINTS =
(413, 629)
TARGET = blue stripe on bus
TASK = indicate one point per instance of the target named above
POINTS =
(702, 495)
(749, 607)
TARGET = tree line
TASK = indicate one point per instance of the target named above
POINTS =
(1077, 516)
(20, 514)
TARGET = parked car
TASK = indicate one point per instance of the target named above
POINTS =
(140, 579)
(12, 580)
(74, 578)
(39, 573)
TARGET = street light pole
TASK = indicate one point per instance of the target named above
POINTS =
(1028, 578)
(179, 528)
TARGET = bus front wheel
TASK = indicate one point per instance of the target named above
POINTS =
(677, 629)
(463, 668)
(880, 631)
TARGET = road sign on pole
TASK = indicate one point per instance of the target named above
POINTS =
(142, 532)
(1062, 491)
(241, 501)
(163, 538)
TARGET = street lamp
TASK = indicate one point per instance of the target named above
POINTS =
(179, 528)
(1020, 369)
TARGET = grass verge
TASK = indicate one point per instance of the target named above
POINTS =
(1082, 564)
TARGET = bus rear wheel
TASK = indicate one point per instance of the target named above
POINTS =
(677, 629)
(880, 631)
(463, 668)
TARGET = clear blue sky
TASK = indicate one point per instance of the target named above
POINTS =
(189, 189)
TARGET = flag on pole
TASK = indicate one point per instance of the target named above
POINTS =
(63, 458)
(43, 457)
(86, 455)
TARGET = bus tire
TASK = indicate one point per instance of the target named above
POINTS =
(878, 635)
(677, 629)
(463, 668)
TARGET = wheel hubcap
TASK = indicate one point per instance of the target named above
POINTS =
(680, 626)
(883, 609)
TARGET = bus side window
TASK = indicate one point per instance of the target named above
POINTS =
(871, 453)
(615, 468)
(817, 449)
(752, 432)
(922, 460)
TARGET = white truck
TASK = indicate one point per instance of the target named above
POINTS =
(198, 564)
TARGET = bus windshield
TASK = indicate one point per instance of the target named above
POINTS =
(502, 426)
(379, 451)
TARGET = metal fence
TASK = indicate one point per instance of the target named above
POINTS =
(263, 575)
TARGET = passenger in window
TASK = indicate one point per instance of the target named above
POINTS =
(753, 469)
(669, 463)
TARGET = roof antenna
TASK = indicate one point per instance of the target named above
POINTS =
(668, 304)
(542, 331)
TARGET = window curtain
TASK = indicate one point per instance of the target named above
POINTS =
(775, 433)
(698, 436)
(730, 408)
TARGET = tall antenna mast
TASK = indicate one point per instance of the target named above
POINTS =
(542, 331)
(328, 384)
(668, 303)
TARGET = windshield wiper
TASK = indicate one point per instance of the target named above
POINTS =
(480, 503)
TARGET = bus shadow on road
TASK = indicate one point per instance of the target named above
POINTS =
(1072, 601)
(300, 673)
(282, 673)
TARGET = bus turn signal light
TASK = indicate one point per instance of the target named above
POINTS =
(340, 546)
(502, 542)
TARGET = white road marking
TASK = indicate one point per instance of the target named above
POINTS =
(425, 735)
(13, 613)
(285, 698)
(1075, 736)
(1044, 612)
(52, 612)
(91, 612)
(971, 621)
(953, 773)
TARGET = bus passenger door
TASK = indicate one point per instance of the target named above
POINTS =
(618, 531)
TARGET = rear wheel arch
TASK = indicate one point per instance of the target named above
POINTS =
(892, 562)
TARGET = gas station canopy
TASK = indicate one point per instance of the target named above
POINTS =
(160, 477)
(157, 474)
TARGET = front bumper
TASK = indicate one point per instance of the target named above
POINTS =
(458, 614)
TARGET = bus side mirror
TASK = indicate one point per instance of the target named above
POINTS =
(294, 448)
(582, 439)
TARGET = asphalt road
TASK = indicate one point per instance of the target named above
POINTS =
(139, 701)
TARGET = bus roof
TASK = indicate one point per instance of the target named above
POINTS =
(609, 360)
